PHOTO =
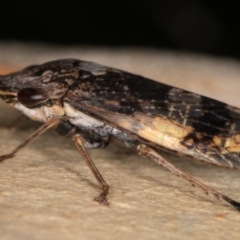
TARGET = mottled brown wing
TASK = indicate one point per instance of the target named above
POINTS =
(161, 115)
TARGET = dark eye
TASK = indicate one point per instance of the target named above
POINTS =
(31, 97)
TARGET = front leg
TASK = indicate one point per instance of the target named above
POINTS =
(50, 124)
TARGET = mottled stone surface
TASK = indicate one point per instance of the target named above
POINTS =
(46, 191)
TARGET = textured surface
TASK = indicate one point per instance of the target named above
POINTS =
(47, 190)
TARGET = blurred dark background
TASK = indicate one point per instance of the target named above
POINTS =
(210, 27)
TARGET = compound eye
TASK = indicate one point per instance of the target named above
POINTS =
(31, 97)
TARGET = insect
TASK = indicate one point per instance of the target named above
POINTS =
(94, 104)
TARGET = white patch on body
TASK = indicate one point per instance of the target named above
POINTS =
(80, 119)
(94, 68)
(41, 114)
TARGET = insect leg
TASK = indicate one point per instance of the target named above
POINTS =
(51, 123)
(94, 143)
(146, 151)
(104, 186)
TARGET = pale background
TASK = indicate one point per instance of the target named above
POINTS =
(46, 191)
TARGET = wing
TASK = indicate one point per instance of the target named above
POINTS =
(160, 115)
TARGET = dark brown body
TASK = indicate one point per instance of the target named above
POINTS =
(100, 103)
